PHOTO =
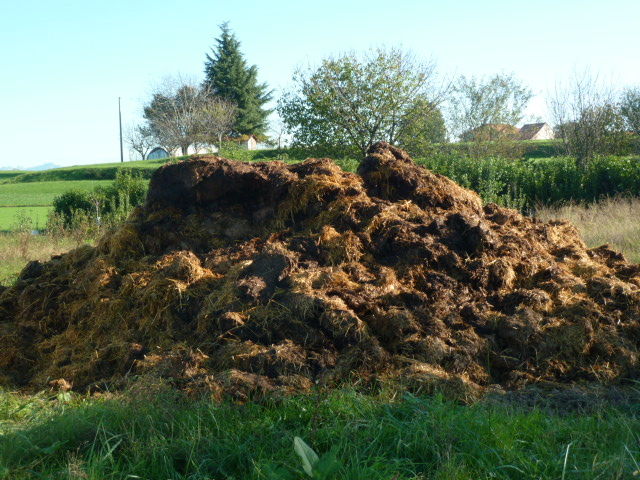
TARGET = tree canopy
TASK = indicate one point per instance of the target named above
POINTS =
(498, 100)
(630, 109)
(357, 100)
(182, 114)
(228, 76)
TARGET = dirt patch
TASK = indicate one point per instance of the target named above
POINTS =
(244, 278)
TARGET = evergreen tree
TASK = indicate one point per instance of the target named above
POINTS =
(229, 77)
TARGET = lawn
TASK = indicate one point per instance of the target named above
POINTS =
(10, 217)
(156, 433)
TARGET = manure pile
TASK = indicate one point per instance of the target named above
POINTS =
(244, 278)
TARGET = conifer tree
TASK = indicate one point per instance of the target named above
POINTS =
(229, 77)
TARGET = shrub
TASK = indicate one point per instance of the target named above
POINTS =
(69, 203)
(527, 184)
(105, 205)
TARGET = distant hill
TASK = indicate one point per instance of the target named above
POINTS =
(37, 168)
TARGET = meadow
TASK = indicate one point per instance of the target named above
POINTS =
(34, 199)
(613, 221)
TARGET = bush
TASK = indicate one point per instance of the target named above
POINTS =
(527, 184)
(105, 205)
(69, 203)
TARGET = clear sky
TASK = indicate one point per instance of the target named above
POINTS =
(65, 63)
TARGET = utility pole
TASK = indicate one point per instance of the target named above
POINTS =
(120, 123)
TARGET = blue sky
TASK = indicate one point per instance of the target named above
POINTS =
(65, 63)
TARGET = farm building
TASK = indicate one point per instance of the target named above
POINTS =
(161, 152)
(501, 131)
(248, 142)
(156, 153)
(536, 131)
(490, 131)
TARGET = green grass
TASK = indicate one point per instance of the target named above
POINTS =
(155, 434)
(9, 217)
(42, 193)
(7, 174)
(101, 171)
(35, 199)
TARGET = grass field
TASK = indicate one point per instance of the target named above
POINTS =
(158, 434)
(101, 171)
(8, 174)
(35, 199)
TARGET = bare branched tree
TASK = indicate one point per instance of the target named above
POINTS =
(279, 132)
(587, 117)
(217, 118)
(183, 114)
(140, 139)
(476, 103)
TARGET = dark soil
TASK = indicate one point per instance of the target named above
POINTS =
(252, 278)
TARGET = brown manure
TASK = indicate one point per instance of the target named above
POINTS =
(261, 278)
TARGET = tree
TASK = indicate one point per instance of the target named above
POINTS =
(141, 140)
(476, 103)
(357, 100)
(173, 114)
(421, 127)
(217, 118)
(183, 114)
(587, 118)
(229, 77)
(630, 109)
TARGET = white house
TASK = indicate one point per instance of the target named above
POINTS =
(161, 152)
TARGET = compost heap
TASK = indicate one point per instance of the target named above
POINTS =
(246, 278)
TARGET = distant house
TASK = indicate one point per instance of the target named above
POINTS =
(248, 142)
(489, 132)
(536, 131)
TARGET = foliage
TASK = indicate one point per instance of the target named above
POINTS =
(154, 433)
(528, 184)
(229, 77)
(357, 100)
(630, 109)
(587, 119)
(479, 103)
(103, 205)
(421, 127)
(69, 203)
(182, 114)
(23, 227)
